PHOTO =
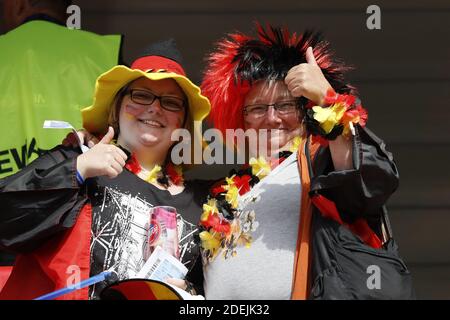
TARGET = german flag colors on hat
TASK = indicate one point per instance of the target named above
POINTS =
(139, 289)
(159, 62)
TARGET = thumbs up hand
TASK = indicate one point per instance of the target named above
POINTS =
(307, 80)
(103, 159)
(107, 138)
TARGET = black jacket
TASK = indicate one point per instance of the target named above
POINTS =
(40, 201)
(341, 264)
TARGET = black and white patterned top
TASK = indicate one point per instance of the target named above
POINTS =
(120, 221)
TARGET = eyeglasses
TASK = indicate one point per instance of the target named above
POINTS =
(146, 98)
(282, 107)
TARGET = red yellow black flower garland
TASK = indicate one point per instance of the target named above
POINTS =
(170, 172)
(224, 224)
(339, 115)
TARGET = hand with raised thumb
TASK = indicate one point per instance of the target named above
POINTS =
(103, 159)
(307, 80)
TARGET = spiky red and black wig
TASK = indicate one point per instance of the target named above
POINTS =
(240, 60)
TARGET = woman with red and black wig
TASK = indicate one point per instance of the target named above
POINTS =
(280, 228)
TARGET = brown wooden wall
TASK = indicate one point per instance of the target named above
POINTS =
(402, 72)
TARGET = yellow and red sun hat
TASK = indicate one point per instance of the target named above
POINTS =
(154, 66)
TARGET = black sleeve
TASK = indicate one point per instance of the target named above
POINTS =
(40, 200)
(362, 191)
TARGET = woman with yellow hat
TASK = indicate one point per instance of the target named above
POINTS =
(69, 220)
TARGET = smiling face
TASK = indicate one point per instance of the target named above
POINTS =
(149, 126)
(281, 127)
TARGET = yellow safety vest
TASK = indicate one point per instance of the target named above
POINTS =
(47, 72)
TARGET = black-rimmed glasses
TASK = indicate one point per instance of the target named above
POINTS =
(282, 108)
(145, 98)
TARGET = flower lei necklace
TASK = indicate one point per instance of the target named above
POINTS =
(223, 223)
(170, 172)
